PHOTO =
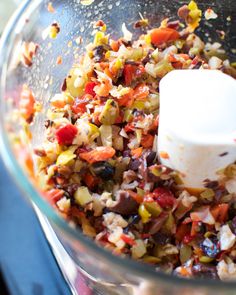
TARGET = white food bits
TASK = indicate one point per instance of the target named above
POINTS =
(210, 14)
(226, 271)
(115, 238)
(127, 34)
(215, 63)
(113, 220)
(139, 249)
(227, 238)
(64, 205)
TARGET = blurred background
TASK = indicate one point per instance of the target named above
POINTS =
(7, 7)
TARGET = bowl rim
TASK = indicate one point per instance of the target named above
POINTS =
(135, 268)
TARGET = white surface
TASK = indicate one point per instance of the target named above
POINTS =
(197, 123)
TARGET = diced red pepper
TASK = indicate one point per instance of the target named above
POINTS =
(90, 180)
(182, 231)
(66, 134)
(114, 45)
(120, 118)
(160, 36)
(136, 153)
(136, 197)
(132, 72)
(187, 239)
(27, 102)
(164, 197)
(75, 212)
(53, 195)
(147, 141)
(89, 88)
(141, 92)
(100, 153)
(129, 128)
(220, 212)
(128, 240)
(79, 106)
(127, 99)
(195, 228)
(128, 74)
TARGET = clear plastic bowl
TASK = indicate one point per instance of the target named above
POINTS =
(92, 270)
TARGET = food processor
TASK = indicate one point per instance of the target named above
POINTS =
(88, 268)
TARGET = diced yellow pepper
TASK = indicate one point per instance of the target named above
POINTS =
(153, 208)
(147, 39)
(144, 214)
(106, 135)
(65, 157)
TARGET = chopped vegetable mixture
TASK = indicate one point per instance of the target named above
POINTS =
(98, 165)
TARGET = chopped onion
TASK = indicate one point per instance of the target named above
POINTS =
(127, 34)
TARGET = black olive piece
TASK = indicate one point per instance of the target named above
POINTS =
(126, 153)
(213, 249)
(161, 238)
(151, 158)
(134, 164)
(99, 53)
(103, 170)
(125, 204)
(197, 65)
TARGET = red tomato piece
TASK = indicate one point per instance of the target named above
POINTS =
(164, 197)
(66, 134)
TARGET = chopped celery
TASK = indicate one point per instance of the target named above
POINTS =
(207, 194)
(65, 157)
(151, 259)
(170, 223)
(138, 135)
(162, 68)
(128, 116)
(185, 253)
(139, 249)
(230, 171)
(82, 196)
(106, 135)
(110, 112)
(140, 192)
(94, 132)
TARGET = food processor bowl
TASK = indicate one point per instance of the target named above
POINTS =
(88, 268)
